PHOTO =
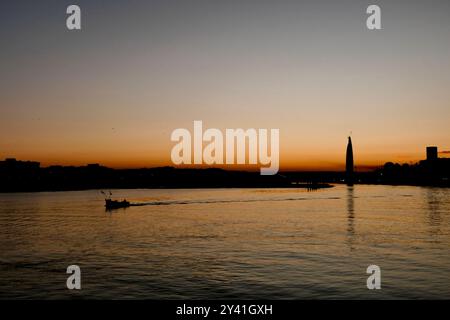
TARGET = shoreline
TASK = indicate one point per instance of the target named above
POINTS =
(311, 187)
(299, 186)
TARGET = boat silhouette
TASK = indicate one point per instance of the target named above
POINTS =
(115, 204)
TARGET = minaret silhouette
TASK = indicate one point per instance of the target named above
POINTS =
(349, 163)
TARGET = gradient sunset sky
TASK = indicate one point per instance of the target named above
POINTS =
(113, 92)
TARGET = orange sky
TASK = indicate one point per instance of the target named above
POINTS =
(113, 92)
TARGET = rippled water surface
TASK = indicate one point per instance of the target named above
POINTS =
(228, 243)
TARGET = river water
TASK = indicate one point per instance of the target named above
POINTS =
(228, 243)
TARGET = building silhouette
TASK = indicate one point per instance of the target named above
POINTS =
(433, 171)
(432, 153)
(349, 174)
(11, 164)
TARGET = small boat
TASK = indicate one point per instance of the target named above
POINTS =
(115, 204)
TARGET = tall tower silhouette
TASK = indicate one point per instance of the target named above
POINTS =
(349, 163)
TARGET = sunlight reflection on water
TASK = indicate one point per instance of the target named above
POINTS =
(228, 243)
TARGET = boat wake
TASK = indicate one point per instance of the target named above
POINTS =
(212, 201)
